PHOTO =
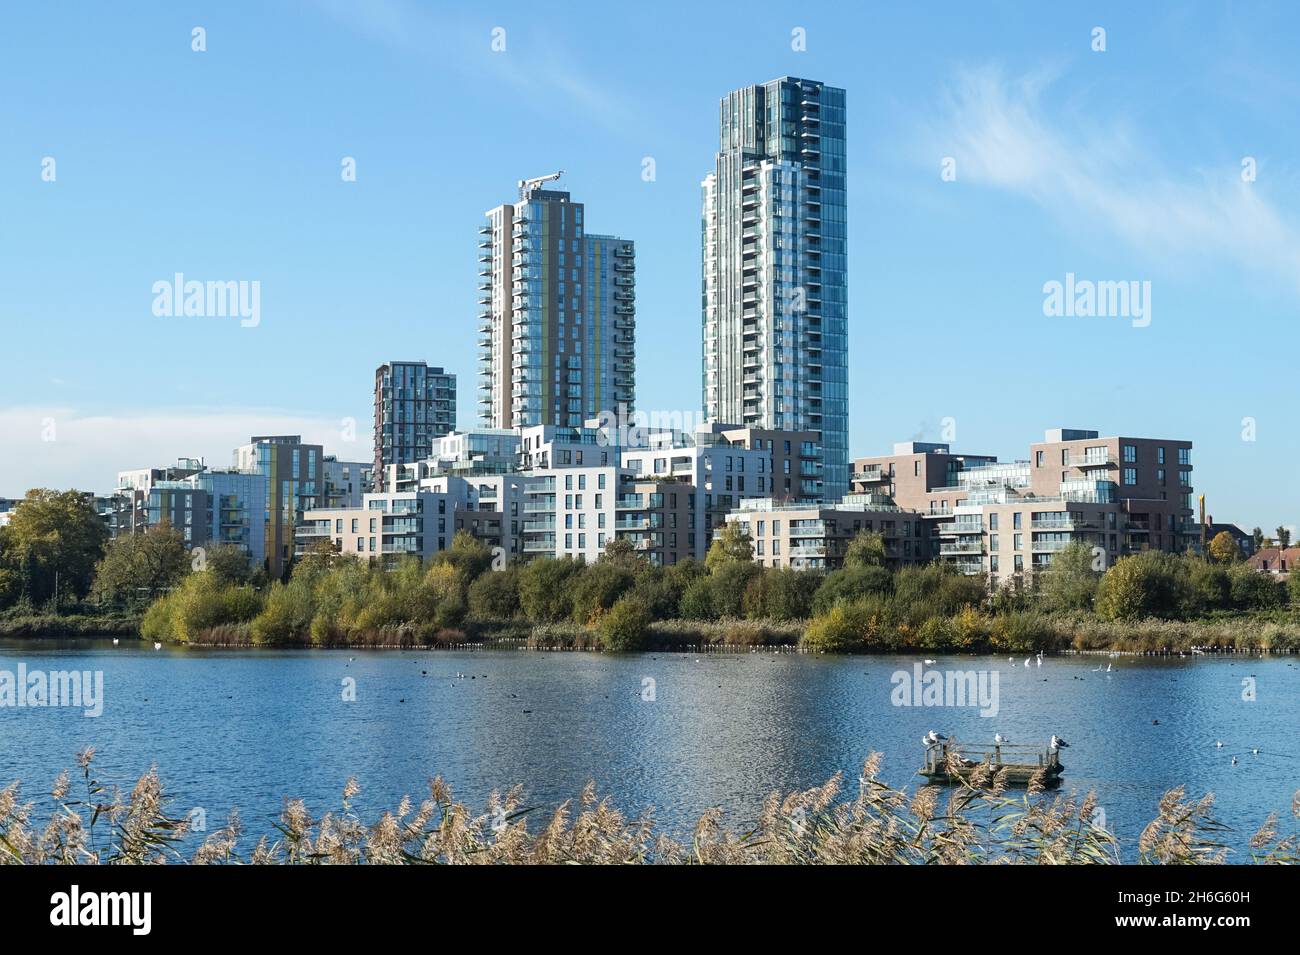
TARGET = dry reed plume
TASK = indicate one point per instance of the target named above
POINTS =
(977, 822)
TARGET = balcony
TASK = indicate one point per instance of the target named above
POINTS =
(961, 527)
(1094, 459)
(1049, 546)
(962, 547)
(1061, 524)
(808, 550)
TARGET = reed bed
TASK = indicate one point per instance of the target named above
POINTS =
(866, 823)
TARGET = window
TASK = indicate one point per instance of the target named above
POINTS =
(1130, 453)
(1130, 475)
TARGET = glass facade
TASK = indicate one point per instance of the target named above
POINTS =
(414, 405)
(557, 329)
(774, 289)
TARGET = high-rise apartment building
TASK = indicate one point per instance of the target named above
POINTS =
(558, 319)
(775, 281)
(414, 405)
(295, 483)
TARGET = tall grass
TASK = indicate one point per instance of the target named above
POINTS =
(865, 823)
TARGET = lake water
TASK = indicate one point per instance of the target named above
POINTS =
(247, 727)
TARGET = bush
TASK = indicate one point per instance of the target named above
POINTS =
(200, 604)
(697, 600)
(783, 594)
(1251, 590)
(730, 580)
(849, 584)
(624, 627)
(1210, 585)
(597, 587)
(544, 588)
(1149, 584)
(842, 630)
(495, 596)
(1019, 632)
(660, 592)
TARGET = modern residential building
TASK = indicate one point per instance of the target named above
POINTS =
(1119, 495)
(774, 283)
(345, 481)
(420, 521)
(214, 508)
(295, 476)
(558, 313)
(815, 537)
(577, 511)
(414, 405)
(208, 507)
(720, 473)
(127, 510)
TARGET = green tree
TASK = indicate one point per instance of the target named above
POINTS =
(1257, 535)
(1224, 549)
(732, 544)
(1149, 584)
(228, 564)
(495, 595)
(1283, 537)
(1070, 582)
(138, 567)
(730, 580)
(469, 556)
(619, 551)
(544, 588)
(52, 543)
(697, 600)
(1252, 590)
(597, 587)
(782, 594)
(849, 584)
(1210, 585)
(865, 550)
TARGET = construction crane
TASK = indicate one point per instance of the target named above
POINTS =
(527, 185)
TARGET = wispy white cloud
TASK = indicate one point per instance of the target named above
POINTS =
(535, 61)
(1101, 173)
(65, 447)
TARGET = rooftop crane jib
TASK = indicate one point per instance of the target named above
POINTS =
(528, 185)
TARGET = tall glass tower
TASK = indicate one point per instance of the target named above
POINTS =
(558, 320)
(775, 281)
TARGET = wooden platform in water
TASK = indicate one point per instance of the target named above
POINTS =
(1020, 763)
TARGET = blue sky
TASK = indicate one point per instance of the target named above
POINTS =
(225, 165)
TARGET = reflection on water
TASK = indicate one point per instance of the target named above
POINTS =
(246, 728)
